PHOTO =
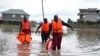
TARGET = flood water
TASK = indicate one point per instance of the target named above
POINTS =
(74, 43)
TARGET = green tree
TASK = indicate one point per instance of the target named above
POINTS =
(70, 21)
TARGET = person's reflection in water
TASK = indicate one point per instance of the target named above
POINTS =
(43, 52)
(23, 49)
(55, 53)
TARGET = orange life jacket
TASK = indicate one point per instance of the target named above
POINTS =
(57, 26)
(45, 27)
(25, 25)
(22, 37)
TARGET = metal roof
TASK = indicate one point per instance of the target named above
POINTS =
(15, 11)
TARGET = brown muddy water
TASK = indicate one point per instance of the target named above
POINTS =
(74, 43)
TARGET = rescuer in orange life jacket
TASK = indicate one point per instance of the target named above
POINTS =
(56, 28)
(25, 26)
(44, 30)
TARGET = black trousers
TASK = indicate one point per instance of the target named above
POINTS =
(44, 36)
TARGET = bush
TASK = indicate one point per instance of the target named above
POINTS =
(98, 22)
(9, 22)
(90, 22)
(80, 21)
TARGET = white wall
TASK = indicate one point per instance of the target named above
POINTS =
(91, 17)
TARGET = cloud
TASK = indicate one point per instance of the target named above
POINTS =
(64, 8)
(88, 1)
(89, 4)
(62, 14)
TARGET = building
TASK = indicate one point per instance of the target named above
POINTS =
(90, 14)
(14, 15)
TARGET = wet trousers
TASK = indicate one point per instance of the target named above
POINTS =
(44, 36)
(56, 42)
(26, 31)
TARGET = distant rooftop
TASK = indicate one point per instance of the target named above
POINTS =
(15, 11)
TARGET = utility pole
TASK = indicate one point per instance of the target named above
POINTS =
(42, 9)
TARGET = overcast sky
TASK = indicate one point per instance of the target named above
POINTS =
(63, 8)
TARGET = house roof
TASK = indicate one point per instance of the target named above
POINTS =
(15, 11)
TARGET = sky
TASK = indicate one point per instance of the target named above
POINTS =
(63, 8)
